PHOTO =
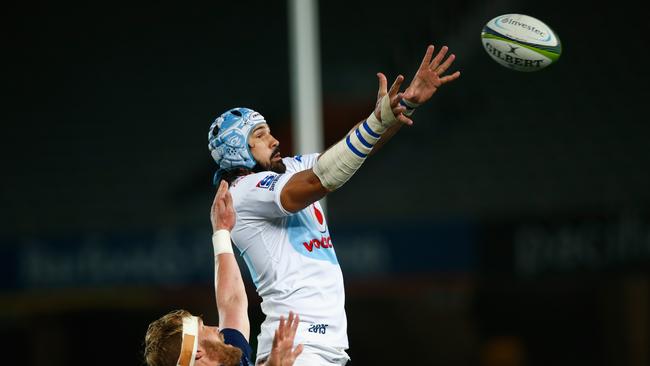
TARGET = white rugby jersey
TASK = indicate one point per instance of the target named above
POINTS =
(291, 259)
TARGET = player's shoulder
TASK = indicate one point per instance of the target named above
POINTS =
(249, 180)
(235, 338)
(300, 162)
(245, 186)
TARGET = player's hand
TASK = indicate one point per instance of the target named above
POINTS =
(395, 97)
(429, 76)
(283, 353)
(222, 213)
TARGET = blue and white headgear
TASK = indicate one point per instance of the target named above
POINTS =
(228, 140)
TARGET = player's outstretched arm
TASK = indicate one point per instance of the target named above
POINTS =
(232, 303)
(336, 165)
(427, 80)
(391, 131)
(429, 77)
(283, 353)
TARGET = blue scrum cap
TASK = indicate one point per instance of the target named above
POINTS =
(228, 139)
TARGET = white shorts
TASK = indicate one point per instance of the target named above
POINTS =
(313, 355)
(313, 359)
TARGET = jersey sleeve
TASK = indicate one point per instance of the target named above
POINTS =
(300, 162)
(234, 338)
(257, 196)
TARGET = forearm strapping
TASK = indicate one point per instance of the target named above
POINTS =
(337, 165)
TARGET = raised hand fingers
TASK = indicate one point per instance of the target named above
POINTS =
(395, 106)
(228, 199)
(296, 352)
(394, 96)
(396, 85)
(216, 200)
(292, 324)
(427, 57)
(449, 78)
(281, 327)
(445, 65)
(222, 194)
(405, 120)
(294, 321)
(276, 339)
(223, 188)
(436, 60)
(383, 85)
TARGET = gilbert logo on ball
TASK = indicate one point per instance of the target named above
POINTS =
(521, 42)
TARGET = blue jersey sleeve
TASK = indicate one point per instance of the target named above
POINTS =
(234, 338)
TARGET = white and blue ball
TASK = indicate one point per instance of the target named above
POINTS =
(521, 42)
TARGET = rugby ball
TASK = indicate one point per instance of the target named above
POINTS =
(521, 42)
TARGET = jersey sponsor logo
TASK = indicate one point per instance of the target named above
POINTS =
(325, 242)
(308, 234)
(298, 157)
(268, 182)
(318, 328)
(318, 217)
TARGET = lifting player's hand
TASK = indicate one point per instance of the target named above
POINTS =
(395, 97)
(283, 353)
(222, 213)
(429, 76)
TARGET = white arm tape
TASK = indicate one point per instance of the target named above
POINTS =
(221, 242)
(387, 117)
(337, 165)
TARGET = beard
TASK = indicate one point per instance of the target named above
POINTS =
(274, 166)
(226, 354)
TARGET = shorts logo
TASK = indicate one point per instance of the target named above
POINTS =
(318, 328)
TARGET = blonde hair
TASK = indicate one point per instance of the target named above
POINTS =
(162, 343)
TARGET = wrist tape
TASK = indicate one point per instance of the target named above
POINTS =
(410, 107)
(221, 242)
(388, 119)
(337, 165)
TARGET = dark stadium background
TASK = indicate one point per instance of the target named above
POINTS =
(510, 226)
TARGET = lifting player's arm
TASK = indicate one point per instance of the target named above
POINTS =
(336, 165)
(232, 303)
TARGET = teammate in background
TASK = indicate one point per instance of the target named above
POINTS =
(281, 231)
(181, 339)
